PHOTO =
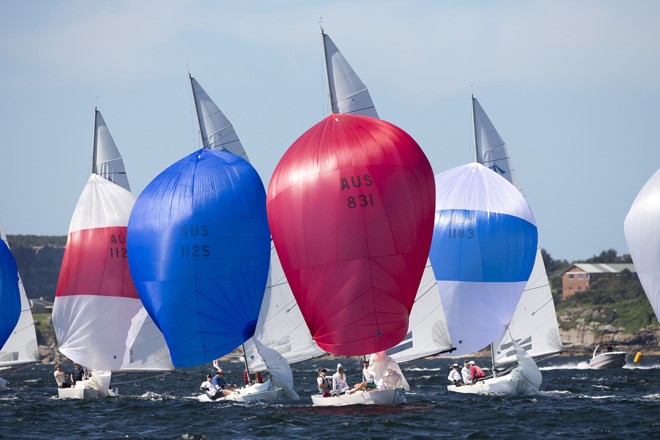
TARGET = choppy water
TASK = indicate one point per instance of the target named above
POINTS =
(575, 402)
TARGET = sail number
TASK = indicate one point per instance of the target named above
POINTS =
(460, 233)
(118, 246)
(195, 250)
(362, 200)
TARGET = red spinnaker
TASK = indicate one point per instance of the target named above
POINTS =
(351, 211)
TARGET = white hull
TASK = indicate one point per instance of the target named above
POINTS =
(376, 397)
(503, 385)
(258, 391)
(77, 393)
(612, 359)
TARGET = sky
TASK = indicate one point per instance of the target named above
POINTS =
(571, 86)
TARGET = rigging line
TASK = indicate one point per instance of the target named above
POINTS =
(143, 378)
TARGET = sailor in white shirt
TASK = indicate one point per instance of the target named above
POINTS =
(455, 376)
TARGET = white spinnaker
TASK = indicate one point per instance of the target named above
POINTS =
(642, 231)
(108, 163)
(534, 323)
(216, 130)
(94, 328)
(21, 347)
(478, 311)
(348, 94)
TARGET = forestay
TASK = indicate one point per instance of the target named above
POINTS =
(483, 250)
(642, 230)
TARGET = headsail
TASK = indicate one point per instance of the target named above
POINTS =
(534, 323)
(199, 250)
(21, 345)
(216, 130)
(107, 162)
(642, 230)
(348, 94)
(350, 208)
(483, 250)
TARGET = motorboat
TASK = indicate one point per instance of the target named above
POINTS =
(607, 358)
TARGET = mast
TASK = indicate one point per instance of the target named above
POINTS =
(327, 69)
(247, 367)
(205, 142)
(474, 130)
(94, 152)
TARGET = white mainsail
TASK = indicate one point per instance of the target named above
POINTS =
(642, 230)
(107, 162)
(21, 347)
(534, 324)
(348, 94)
(216, 130)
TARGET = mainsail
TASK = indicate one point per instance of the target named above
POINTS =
(350, 208)
(482, 253)
(98, 317)
(642, 230)
(348, 94)
(20, 347)
(106, 161)
(534, 323)
(215, 129)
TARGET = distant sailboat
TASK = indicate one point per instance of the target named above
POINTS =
(18, 339)
(98, 317)
(483, 250)
(642, 230)
(266, 349)
(534, 324)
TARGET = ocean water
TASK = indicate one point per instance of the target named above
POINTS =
(575, 402)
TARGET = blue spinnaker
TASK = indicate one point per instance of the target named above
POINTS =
(10, 298)
(199, 251)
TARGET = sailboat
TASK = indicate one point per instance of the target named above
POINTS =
(260, 352)
(18, 340)
(199, 248)
(534, 324)
(99, 320)
(350, 211)
(427, 332)
(642, 231)
(483, 250)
